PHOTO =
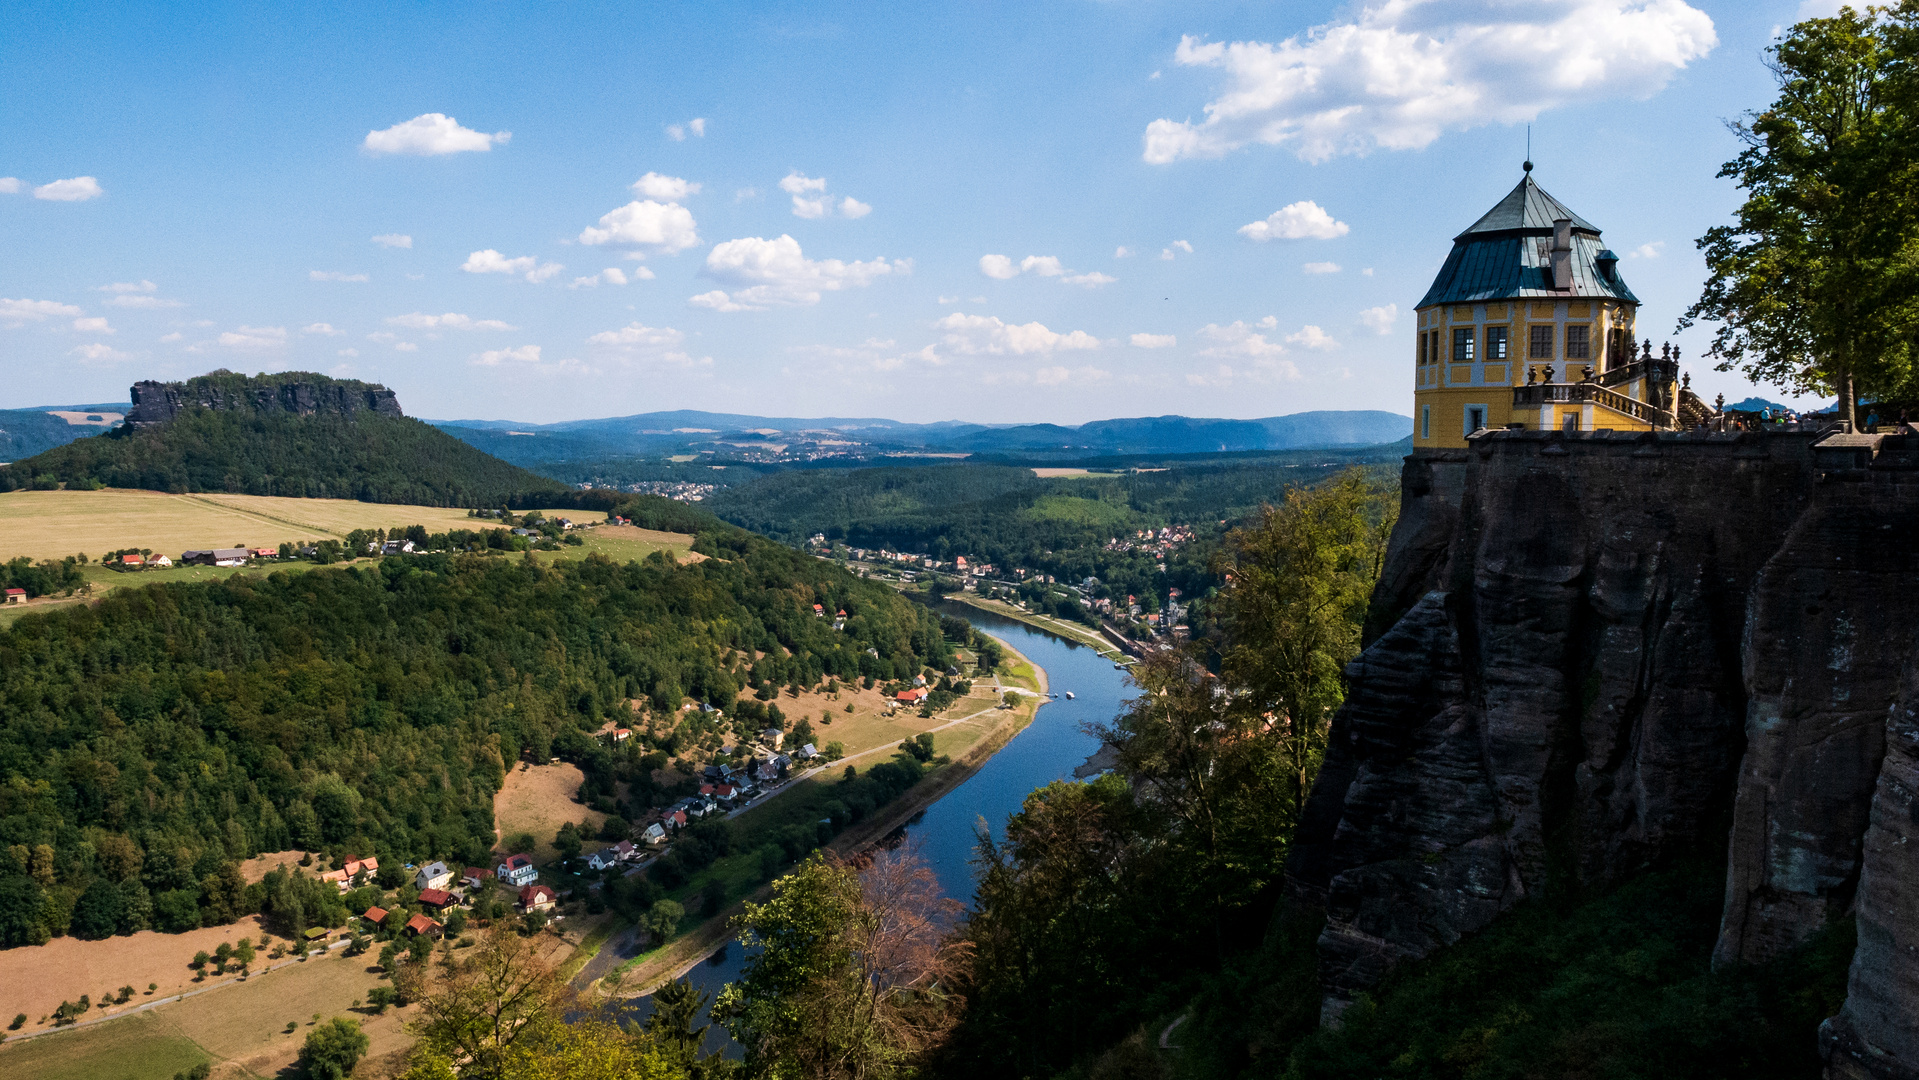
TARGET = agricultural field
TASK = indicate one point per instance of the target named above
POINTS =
(241, 1028)
(39, 977)
(55, 524)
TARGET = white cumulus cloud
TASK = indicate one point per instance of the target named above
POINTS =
(695, 127)
(10, 185)
(853, 208)
(666, 188)
(1320, 267)
(525, 354)
(1042, 265)
(321, 329)
(419, 320)
(612, 275)
(1088, 281)
(664, 227)
(1402, 72)
(1649, 251)
(405, 346)
(254, 338)
(174, 336)
(1312, 337)
(1166, 253)
(141, 300)
(490, 261)
(333, 275)
(998, 266)
(1303, 220)
(1154, 341)
(638, 335)
(76, 189)
(763, 273)
(98, 351)
(95, 325)
(393, 240)
(430, 134)
(16, 312)
(1380, 319)
(1259, 360)
(989, 334)
(142, 286)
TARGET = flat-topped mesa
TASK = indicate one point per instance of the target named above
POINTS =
(1594, 653)
(300, 393)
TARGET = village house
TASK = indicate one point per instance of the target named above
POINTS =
(603, 859)
(375, 916)
(474, 877)
(437, 899)
(517, 870)
(214, 557)
(16, 596)
(537, 898)
(434, 875)
(266, 553)
(160, 561)
(772, 737)
(421, 925)
(653, 835)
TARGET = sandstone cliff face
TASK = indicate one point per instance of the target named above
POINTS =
(303, 395)
(1594, 653)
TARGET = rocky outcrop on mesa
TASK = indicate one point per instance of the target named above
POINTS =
(1595, 653)
(303, 394)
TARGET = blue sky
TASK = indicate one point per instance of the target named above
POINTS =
(992, 212)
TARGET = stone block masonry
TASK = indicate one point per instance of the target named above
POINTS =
(1592, 653)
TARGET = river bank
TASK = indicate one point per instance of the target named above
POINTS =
(1070, 630)
(691, 948)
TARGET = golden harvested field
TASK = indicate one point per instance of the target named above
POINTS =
(38, 978)
(241, 1027)
(538, 799)
(246, 1023)
(54, 524)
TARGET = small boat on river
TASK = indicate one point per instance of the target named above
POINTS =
(1069, 695)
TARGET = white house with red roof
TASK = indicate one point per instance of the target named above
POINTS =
(518, 870)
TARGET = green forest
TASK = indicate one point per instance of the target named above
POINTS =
(155, 738)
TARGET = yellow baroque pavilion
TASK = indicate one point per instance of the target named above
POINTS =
(1529, 325)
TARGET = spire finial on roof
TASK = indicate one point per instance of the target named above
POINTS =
(1526, 165)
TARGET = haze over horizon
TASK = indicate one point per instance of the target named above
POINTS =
(998, 215)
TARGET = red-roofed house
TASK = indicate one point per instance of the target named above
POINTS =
(677, 819)
(819, 611)
(911, 697)
(354, 866)
(375, 915)
(436, 898)
(475, 877)
(537, 898)
(420, 924)
(16, 596)
(133, 560)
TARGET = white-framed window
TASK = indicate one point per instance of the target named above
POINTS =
(1475, 418)
(1425, 421)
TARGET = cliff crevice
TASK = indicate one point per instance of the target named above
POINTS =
(1591, 655)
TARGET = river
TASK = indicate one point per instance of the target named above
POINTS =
(1049, 749)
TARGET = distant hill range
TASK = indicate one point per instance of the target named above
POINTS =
(293, 433)
(26, 432)
(777, 438)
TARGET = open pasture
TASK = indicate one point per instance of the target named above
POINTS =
(55, 524)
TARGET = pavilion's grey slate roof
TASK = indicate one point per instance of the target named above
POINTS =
(1527, 207)
(1507, 254)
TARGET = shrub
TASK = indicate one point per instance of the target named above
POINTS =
(332, 1050)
